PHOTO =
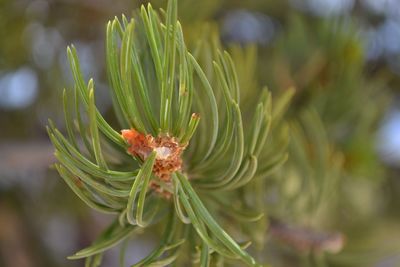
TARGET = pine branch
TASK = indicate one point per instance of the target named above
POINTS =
(185, 136)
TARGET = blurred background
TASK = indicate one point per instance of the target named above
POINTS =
(342, 56)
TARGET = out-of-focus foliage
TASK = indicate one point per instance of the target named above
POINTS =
(333, 179)
(326, 63)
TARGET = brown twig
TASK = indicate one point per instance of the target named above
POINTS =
(25, 156)
(304, 239)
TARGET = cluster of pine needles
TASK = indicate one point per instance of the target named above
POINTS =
(210, 209)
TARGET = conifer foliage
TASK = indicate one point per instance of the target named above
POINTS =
(184, 160)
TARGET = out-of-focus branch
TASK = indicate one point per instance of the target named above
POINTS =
(305, 239)
(25, 157)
